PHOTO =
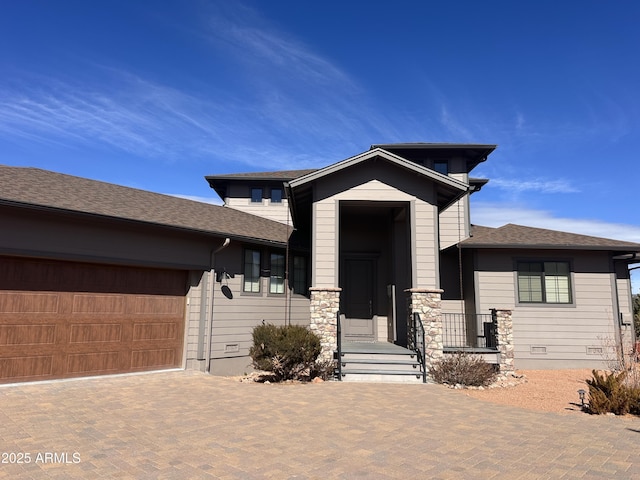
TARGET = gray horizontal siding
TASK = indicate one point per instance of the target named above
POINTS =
(565, 330)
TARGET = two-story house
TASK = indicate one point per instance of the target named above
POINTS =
(98, 278)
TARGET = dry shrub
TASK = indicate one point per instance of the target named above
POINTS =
(612, 393)
(288, 352)
(463, 369)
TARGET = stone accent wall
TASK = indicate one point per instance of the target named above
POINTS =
(505, 341)
(325, 304)
(427, 302)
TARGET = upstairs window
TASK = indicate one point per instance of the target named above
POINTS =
(544, 282)
(276, 195)
(251, 282)
(256, 195)
(276, 279)
(441, 167)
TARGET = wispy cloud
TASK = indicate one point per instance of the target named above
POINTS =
(195, 198)
(535, 185)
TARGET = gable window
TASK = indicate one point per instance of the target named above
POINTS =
(300, 275)
(441, 167)
(276, 279)
(251, 282)
(256, 195)
(544, 282)
(276, 195)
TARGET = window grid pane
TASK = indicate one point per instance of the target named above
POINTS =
(251, 271)
(276, 280)
(276, 195)
(544, 282)
(256, 195)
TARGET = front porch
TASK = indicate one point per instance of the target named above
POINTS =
(431, 336)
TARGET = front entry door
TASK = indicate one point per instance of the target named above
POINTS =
(358, 291)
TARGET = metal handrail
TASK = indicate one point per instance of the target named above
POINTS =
(418, 343)
(339, 342)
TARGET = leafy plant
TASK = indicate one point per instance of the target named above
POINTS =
(289, 352)
(463, 369)
(610, 393)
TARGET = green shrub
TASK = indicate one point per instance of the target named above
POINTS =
(288, 352)
(463, 369)
(610, 393)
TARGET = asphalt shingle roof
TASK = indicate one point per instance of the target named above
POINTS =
(518, 236)
(43, 188)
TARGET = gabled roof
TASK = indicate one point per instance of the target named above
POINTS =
(392, 158)
(43, 189)
(517, 236)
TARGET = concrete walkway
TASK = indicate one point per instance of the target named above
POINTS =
(187, 425)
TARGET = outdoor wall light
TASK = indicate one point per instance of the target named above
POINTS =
(582, 393)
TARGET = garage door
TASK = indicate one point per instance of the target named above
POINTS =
(63, 319)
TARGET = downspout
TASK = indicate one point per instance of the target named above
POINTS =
(212, 258)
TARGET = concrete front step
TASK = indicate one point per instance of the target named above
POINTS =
(381, 376)
(377, 364)
(393, 357)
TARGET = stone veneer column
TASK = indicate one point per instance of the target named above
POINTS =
(428, 303)
(325, 304)
(505, 340)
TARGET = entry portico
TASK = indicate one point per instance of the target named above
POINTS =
(373, 234)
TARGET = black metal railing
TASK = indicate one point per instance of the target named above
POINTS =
(339, 346)
(417, 343)
(466, 330)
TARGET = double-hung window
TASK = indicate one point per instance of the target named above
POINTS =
(276, 279)
(544, 282)
(251, 282)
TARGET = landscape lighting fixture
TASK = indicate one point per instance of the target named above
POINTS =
(582, 393)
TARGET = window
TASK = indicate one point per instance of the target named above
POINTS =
(276, 195)
(441, 167)
(276, 279)
(300, 275)
(251, 271)
(256, 195)
(544, 282)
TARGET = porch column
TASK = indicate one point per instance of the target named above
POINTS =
(428, 303)
(505, 340)
(325, 304)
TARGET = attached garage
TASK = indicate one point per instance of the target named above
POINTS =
(66, 319)
(98, 279)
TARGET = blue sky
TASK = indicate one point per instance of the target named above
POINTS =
(157, 94)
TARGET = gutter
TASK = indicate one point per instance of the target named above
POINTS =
(226, 243)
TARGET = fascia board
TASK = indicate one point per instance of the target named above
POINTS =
(378, 152)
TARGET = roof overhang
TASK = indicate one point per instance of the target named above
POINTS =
(388, 156)
(473, 153)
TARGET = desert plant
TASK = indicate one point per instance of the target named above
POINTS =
(324, 369)
(289, 352)
(611, 393)
(463, 369)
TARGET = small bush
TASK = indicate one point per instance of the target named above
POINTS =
(288, 352)
(463, 369)
(610, 393)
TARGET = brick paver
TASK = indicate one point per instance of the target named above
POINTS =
(191, 425)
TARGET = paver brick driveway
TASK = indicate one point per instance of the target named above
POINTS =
(191, 425)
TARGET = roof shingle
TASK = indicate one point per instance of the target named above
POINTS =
(43, 188)
(518, 236)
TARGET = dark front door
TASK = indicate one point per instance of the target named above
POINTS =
(359, 281)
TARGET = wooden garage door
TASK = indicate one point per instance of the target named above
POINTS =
(63, 319)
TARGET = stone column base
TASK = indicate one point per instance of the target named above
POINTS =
(325, 305)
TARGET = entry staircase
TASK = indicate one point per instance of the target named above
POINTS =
(378, 362)
(381, 361)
